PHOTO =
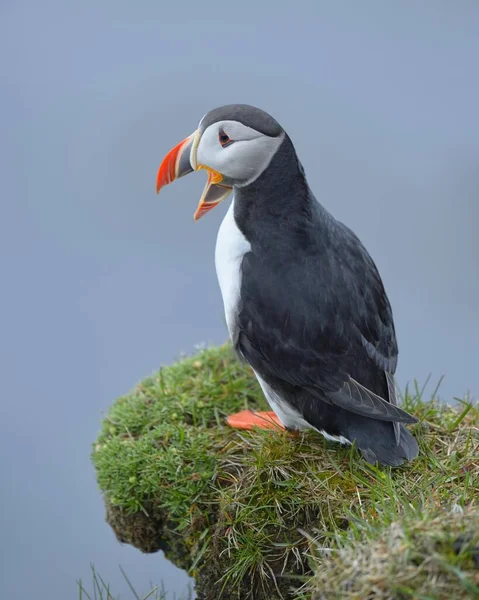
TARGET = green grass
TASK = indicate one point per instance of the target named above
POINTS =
(100, 590)
(261, 515)
(430, 554)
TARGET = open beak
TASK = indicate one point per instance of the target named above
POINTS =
(180, 161)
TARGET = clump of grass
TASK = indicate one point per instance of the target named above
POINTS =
(430, 555)
(245, 511)
(100, 590)
(160, 446)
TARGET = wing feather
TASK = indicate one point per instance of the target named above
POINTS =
(323, 322)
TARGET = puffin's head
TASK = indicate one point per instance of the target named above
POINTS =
(233, 143)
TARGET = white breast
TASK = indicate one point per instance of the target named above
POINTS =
(231, 246)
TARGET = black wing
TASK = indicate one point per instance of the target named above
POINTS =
(323, 322)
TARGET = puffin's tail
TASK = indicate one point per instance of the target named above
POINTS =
(385, 450)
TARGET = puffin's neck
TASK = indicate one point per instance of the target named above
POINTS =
(277, 204)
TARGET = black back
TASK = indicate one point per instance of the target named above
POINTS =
(314, 318)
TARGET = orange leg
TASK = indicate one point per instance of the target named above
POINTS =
(248, 419)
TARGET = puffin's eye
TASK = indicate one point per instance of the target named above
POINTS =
(224, 139)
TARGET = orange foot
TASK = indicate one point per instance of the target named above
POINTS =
(248, 419)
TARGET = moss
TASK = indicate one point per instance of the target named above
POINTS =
(245, 512)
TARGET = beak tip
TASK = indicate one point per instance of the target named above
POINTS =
(159, 181)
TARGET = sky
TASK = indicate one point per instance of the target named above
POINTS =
(100, 277)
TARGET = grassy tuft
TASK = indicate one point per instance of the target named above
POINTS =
(100, 590)
(429, 555)
(250, 514)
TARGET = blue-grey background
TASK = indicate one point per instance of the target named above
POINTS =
(101, 280)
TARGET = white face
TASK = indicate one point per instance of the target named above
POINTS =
(243, 158)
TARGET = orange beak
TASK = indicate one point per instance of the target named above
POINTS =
(176, 163)
(180, 161)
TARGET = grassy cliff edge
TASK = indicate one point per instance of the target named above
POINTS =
(262, 515)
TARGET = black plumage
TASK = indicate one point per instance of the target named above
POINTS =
(314, 320)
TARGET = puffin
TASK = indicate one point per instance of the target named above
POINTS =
(304, 303)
